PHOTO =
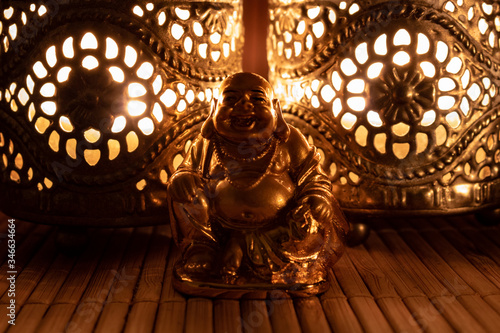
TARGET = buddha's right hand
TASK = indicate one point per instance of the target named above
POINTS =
(183, 186)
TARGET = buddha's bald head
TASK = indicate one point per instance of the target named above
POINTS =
(246, 110)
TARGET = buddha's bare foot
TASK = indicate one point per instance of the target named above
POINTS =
(199, 260)
(232, 259)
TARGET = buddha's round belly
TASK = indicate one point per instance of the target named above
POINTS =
(252, 207)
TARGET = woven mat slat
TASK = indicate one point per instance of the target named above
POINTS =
(438, 274)
(456, 314)
(171, 317)
(141, 318)
(349, 279)
(398, 315)
(199, 316)
(480, 260)
(340, 315)
(56, 318)
(85, 317)
(112, 318)
(398, 276)
(481, 311)
(30, 276)
(335, 289)
(436, 265)
(283, 316)
(28, 318)
(107, 271)
(48, 288)
(76, 283)
(429, 318)
(369, 314)
(153, 272)
(254, 316)
(493, 301)
(227, 316)
(470, 274)
(311, 316)
(22, 231)
(127, 275)
(100, 285)
(371, 273)
(409, 261)
(168, 293)
(24, 252)
(483, 243)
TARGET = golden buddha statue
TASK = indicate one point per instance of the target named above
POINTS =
(251, 208)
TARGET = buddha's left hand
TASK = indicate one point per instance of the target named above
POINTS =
(320, 208)
(309, 215)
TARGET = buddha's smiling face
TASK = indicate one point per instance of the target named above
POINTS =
(244, 111)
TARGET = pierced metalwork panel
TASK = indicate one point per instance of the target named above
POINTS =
(402, 97)
(98, 102)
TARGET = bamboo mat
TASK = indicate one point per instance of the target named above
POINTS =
(411, 275)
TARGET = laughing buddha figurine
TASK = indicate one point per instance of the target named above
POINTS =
(251, 209)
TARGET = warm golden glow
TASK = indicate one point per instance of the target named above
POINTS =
(402, 37)
(71, 148)
(168, 98)
(423, 44)
(23, 96)
(146, 126)
(65, 124)
(362, 53)
(136, 90)
(90, 62)
(130, 56)
(68, 50)
(454, 65)
(132, 141)
(348, 120)
(63, 74)
(18, 161)
(49, 108)
(88, 42)
(117, 74)
(92, 156)
(428, 68)
(381, 45)
(41, 125)
(183, 14)
(113, 148)
(145, 71)
(401, 58)
(111, 49)
(374, 70)
(136, 108)
(54, 141)
(401, 150)
(48, 90)
(474, 91)
(441, 51)
(51, 57)
(40, 70)
(453, 119)
(157, 112)
(177, 31)
(92, 135)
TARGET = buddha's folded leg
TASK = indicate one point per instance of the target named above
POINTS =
(192, 232)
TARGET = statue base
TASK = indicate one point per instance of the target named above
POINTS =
(239, 288)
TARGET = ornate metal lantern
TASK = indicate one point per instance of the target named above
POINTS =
(402, 97)
(96, 99)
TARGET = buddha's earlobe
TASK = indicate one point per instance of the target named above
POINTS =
(208, 128)
(282, 130)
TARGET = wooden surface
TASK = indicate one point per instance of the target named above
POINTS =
(411, 275)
